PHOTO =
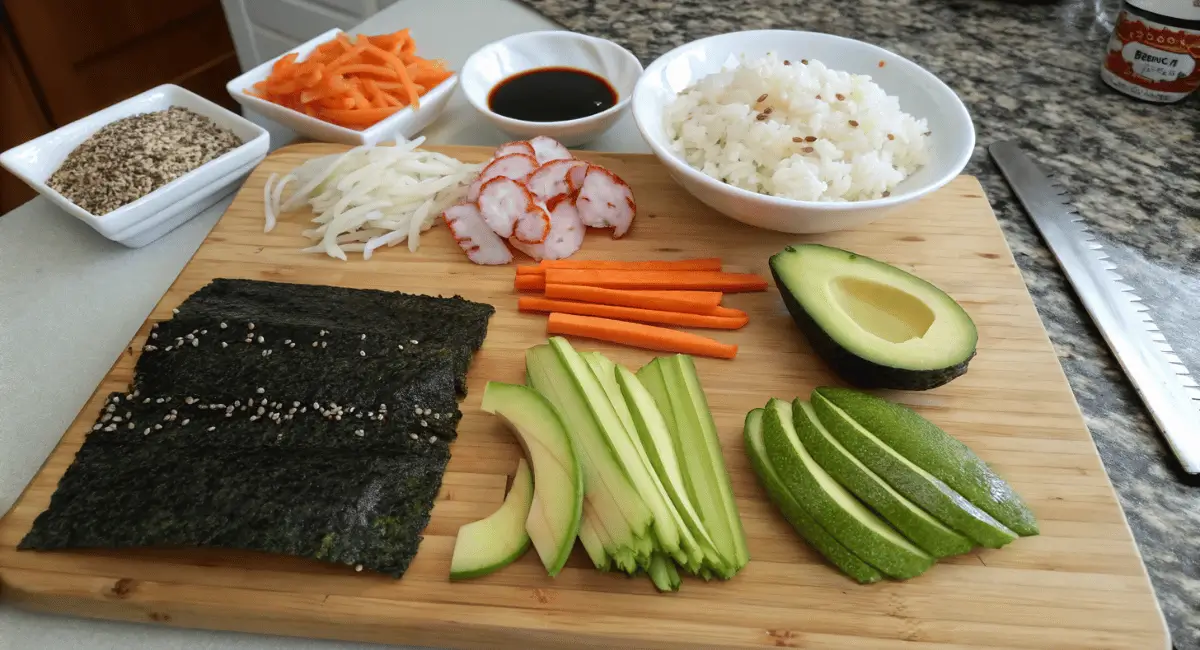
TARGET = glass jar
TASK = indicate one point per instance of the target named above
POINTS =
(1154, 52)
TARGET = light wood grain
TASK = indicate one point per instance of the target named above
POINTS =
(1080, 585)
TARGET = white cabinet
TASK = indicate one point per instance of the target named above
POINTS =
(263, 29)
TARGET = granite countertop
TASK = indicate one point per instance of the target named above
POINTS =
(1029, 71)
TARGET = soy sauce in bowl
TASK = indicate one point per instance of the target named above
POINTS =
(555, 94)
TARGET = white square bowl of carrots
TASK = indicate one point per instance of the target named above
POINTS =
(355, 90)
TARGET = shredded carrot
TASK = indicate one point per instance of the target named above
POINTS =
(682, 280)
(694, 302)
(535, 304)
(649, 337)
(353, 83)
(706, 264)
(360, 116)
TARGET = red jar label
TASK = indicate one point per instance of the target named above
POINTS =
(1152, 61)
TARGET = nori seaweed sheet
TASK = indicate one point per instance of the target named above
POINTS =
(343, 368)
(339, 506)
(195, 470)
(282, 423)
(434, 322)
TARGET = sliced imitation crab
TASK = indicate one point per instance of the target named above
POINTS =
(520, 146)
(565, 236)
(605, 201)
(512, 211)
(514, 165)
(546, 149)
(481, 244)
(537, 198)
(556, 178)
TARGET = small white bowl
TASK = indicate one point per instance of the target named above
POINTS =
(495, 62)
(921, 94)
(402, 124)
(144, 220)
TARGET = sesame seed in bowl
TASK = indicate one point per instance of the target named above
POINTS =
(198, 153)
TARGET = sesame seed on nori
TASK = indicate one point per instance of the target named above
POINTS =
(432, 322)
(292, 419)
(333, 372)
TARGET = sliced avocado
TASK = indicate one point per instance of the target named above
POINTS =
(807, 527)
(499, 539)
(838, 511)
(701, 460)
(919, 526)
(923, 445)
(875, 325)
(662, 573)
(557, 507)
(608, 492)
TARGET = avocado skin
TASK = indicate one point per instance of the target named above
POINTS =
(937, 452)
(856, 370)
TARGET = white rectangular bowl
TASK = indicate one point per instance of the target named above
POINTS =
(403, 124)
(144, 220)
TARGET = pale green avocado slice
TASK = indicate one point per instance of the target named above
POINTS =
(499, 539)
(557, 505)
(805, 526)
(923, 529)
(838, 511)
(876, 325)
(919, 444)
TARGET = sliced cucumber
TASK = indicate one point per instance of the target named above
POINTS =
(838, 511)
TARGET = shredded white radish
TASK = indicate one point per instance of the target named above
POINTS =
(268, 205)
(370, 197)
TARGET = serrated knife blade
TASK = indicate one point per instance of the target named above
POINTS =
(1162, 381)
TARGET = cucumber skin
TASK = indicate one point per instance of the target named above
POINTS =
(925, 445)
(937, 540)
(805, 526)
(902, 565)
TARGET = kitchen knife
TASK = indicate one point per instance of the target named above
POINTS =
(1162, 381)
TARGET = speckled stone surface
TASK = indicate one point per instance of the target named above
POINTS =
(1029, 72)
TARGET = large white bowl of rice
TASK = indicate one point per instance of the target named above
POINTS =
(801, 132)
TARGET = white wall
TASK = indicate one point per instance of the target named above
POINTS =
(264, 29)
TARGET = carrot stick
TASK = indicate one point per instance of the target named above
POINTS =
(688, 280)
(530, 283)
(694, 302)
(530, 269)
(726, 312)
(637, 335)
(534, 304)
(707, 264)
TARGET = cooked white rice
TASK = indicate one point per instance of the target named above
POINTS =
(816, 135)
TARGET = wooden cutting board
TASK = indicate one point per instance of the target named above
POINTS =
(1080, 584)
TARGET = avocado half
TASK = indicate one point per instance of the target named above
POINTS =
(875, 325)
